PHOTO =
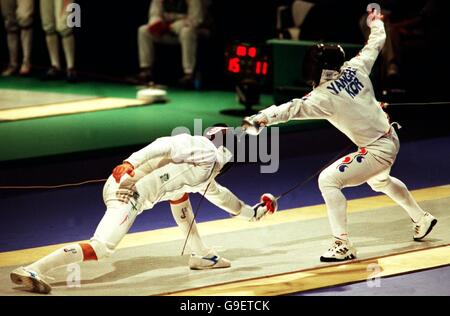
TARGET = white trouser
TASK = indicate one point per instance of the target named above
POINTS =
(124, 203)
(165, 183)
(186, 36)
(371, 164)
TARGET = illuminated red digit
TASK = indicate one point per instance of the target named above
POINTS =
(241, 51)
(258, 67)
(264, 70)
(252, 52)
(233, 65)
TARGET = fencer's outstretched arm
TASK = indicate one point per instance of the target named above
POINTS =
(224, 198)
(312, 106)
(160, 148)
(368, 55)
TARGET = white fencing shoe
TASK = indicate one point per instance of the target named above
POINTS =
(340, 250)
(210, 261)
(424, 226)
(30, 280)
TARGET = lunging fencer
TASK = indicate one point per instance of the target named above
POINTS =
(168, 169)
(343, 94)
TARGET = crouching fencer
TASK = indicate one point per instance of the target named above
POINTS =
(343, 94)
(168, 169)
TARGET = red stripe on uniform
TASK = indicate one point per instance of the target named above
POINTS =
(88, 252)
(184, 198)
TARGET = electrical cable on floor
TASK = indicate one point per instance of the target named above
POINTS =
(57, 186)
(416, 103)
(302, 183)
(193, 219)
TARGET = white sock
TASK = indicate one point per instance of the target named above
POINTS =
(63, 256)
(337, 212)
(183, 215)
(68, 43)
(398, 192)
(26, 36)
(13, 48)
(53, 50)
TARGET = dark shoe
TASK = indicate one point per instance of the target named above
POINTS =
(10, 71)
(71, 75)
(145, 75)
(187, 81)
(53, 74)
(25, 70)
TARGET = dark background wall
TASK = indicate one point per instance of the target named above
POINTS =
(107, 39)
(107, 44)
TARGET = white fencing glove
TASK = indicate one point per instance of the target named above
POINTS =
(267, 205)
(253, 125)
(373, 13)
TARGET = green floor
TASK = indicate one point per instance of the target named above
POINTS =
(113, 128)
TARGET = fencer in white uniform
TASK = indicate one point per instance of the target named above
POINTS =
(168, 169)
(343, 95)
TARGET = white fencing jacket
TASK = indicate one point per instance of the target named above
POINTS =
(186, 151)
(347, 101)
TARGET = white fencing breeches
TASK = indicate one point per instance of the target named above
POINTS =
(163, 184)
(371, 164)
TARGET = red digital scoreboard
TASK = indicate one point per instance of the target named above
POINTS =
(245, 60)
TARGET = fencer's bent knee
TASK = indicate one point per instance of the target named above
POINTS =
(379, 185)
(101, 249)
(181, 199)
(326, 181)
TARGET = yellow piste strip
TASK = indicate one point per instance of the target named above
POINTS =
(70, 107)
(23, 256)
(350, 272)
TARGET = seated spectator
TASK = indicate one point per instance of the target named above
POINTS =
(170, 21)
